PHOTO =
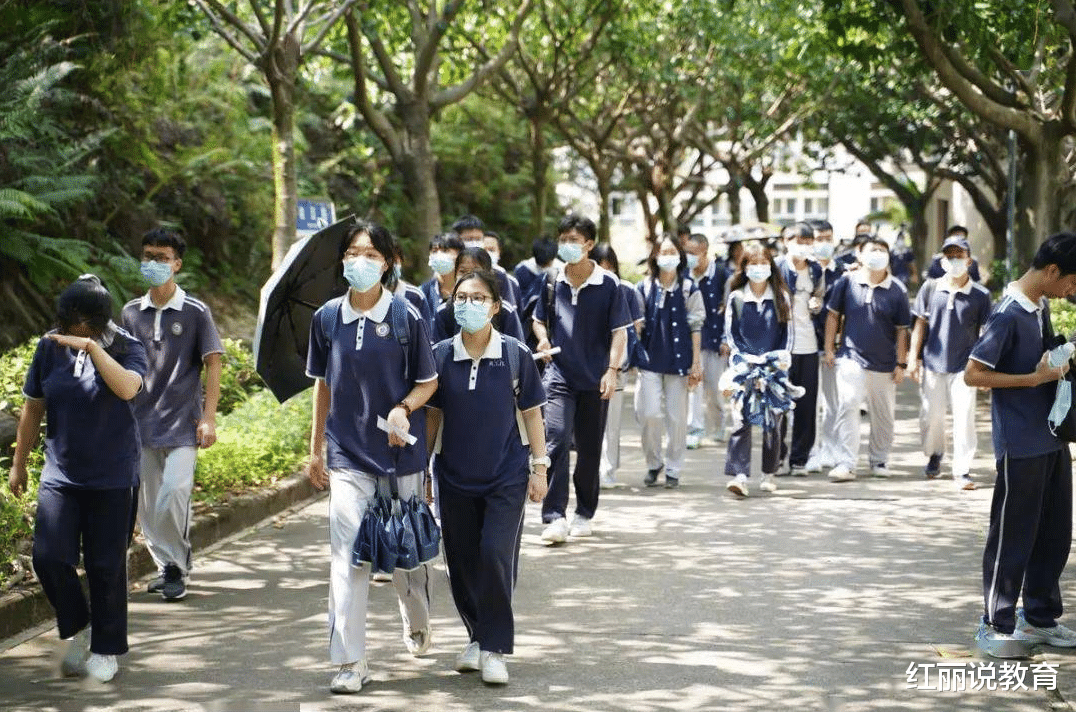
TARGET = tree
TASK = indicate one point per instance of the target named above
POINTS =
(277, 37)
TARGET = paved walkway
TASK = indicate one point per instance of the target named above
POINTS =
(818, 597)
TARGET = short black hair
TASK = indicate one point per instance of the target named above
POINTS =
(956, 229)
(802, 229)
(380, 238)
(874, 240)
(653, 261)
(604, 252)
(544, 249)
(468, 222)
(699, 238)
(1060, 250)
(495, 236)
(820, 225)
(477, 254)
(447, 241)
(84, 300)
(585, 226)
(161, 237)
(683, 231)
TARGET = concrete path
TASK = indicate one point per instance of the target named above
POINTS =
(818, 597)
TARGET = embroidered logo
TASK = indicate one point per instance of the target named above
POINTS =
(382, 330)
(177, 328)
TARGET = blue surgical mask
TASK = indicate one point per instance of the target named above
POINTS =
(570, 252)
(362, 273)
(824, 250)
(1063, 394)
(156, 273)
(442, 262)
(758, 273)
(875, 260)
(692, 261)
(956, 266)
(471, 317)
(668, 263)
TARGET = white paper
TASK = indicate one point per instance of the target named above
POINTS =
(542, 354)
(407, 437)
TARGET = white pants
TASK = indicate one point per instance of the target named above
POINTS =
(939, 391)
(825, 443)
(853, 383)
(164, 504)
(610, 461)
(349, 586)
(706, 399)
(661, 405)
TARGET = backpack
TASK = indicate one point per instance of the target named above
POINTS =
(539, 289)
(330, 325)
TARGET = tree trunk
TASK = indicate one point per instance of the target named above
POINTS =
(918, 232)
(1038, 197)
(604, 176)
(540, 176)
(281, 74)
(419, 169)
(735, 204)
(758, 194)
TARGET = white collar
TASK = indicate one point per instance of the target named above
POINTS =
(671, 288)
(1013, 290)
(749, 294)
(378, 313)
(176, 302)
(862, 276)
(493, 348)
(946, 285)
(596, 277)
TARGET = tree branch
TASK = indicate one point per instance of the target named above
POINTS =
(210, 8)
(328, 25)
(376, 119)
(384, 60)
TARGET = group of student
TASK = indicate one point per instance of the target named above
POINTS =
(496, 377)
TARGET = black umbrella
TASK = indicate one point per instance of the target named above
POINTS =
(309, 276)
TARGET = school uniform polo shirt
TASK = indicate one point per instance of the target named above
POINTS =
(753, 327)
(1013, 342)
(712, 286)
(363, 366)
(508, 285)
(417, 298)
(482, 445)
(91, 436)
(432, 291)
(445, 326)
(526, 272)
(671, 318)
(954, 316)
(178, 337)
(872, 316)
(583, 322)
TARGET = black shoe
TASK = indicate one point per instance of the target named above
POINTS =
(174, 589)
(672, 482)
(933, 468)
(155, 585)
(651, 479)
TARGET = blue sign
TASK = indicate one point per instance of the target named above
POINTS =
(313, 215)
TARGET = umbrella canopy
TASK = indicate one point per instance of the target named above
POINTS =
(752, 231)
(309, 275)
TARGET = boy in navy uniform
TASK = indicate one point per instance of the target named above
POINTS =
(937, 262)
(180, 339)
(949, 314)
(711, 278)
(1030, 531)
(822, 454)
(587, 319)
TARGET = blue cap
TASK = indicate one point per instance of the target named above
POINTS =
(956, 241)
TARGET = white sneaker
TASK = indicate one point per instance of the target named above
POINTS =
(880, 470)
(580, 527)
(78, 649)
(693, 441)
(556, 532)
(814, 464)
(418, 641)
(798, 471)
(1057, 636)
(608, 482)
(494, 671)
(766, 484)
(351, 678)
(381, 576)
(841, 473)
(964, 482)
(102, 667)
(738, 485)
(469, 659)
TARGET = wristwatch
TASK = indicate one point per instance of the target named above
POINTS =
(543, 460)
(902, 365)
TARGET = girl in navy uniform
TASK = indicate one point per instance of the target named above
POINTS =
(473, 259)
(486, 431)
(83, 376)
(672, 324)
(757, 321)
(365, 369)
(444, 249)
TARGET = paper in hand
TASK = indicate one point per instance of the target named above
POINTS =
(407, 437)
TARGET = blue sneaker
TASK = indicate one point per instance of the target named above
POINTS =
(1057, 635)
(933, 468)
(1000, 645)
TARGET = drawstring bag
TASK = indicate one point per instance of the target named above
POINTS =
(375, 544)
(424, 526)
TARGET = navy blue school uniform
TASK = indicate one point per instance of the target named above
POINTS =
(417, 298)
(831, 272)
(431, 289)
(481, 464)
(954, 318)
(368, 372)
(1030, 534)
(445, 326)
(712, 286)
(526, 272)
(936, 270)
(804, 369)
(508, 286)
(582, 323)
(873, 316)
(900, 264)
(86, 494)
(670, 318)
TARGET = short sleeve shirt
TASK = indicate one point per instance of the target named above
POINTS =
(482, 445)
(177, 337)
(91, 436)
(583, 322)
(873, 314)
(667, 329)
(954, 317)
(1012, 342)
(363, 365)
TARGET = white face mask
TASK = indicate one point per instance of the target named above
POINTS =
(668, 263)
(824, 250)
(799, 251)
(875, 260)
(955, 266)
(758, 273)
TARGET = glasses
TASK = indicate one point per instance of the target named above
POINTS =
(480, 300)
(156, 257)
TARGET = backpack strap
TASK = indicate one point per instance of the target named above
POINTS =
(398, 321)
(510, 347)
(330, 319)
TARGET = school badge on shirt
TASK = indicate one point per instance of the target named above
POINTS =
(177, 329)
(382, 329)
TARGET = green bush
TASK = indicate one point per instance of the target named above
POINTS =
(238, 379)
(13, 367)
(1063, 317)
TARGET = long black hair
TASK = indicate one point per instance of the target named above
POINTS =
(777, 280)
(653, 261)
(604, 252)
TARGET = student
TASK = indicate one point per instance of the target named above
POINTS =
(822, 455)
(509, 286)
(180, 339)
(444, 249)
(902, 260)
(606, 258)
(587, 320)
(806, 282)
(481, 464)
(82, 377)
(849, 258)
(543, 260)
(364, 368)
(735, 239)
(474, 259)
(937, 264)
(1030, 532)
(949, 314)
(673, 314)
(711, 280)
(471, 230)
(758, 320)
(872, 358)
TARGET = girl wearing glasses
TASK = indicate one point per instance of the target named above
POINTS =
(474, 259)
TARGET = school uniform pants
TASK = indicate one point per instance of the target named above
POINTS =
(481, 536)
(100, 520)
(803, 373)
(738, 460)
(825, 436)
(610, 460)
(706, 398)
(1029, 539)
(853, 383)
(351, 492)
(579, 417)
(941, 392)
(661, 407)
(164, 504)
